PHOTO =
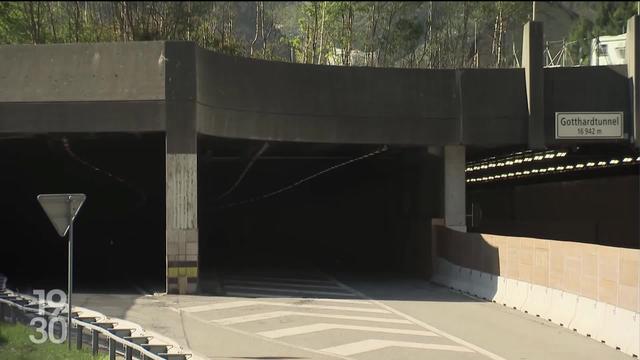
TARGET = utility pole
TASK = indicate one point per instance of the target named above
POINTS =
(533, 16)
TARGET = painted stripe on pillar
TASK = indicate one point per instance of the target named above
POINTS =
(181, 263)
(182, 271)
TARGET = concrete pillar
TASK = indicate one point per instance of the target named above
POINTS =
(533, 63)
(181, 163)
(633, 71)
(454, 187)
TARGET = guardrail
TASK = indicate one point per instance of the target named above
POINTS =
(119, 342)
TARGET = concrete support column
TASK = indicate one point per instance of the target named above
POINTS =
(454, 187)
(633, 71)
(182, 223)
(533, 63)
(181, 164)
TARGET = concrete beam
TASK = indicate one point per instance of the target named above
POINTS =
(533, 63)
(633, 71)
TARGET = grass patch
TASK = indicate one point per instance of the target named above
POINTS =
(16, 345)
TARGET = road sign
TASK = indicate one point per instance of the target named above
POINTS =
(61, 209)
(589, 125)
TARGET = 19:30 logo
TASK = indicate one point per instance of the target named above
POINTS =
(46, 327)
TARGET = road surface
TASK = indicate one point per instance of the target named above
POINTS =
(314, 316)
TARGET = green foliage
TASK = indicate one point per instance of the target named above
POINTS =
(16, 345)
(611, 19)
(427, 34)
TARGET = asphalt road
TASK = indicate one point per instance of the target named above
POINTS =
(309, 315)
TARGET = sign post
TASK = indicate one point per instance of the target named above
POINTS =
(62, 210)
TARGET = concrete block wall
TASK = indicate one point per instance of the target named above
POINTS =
(591, 289)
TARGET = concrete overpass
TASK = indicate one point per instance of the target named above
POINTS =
(190, 94)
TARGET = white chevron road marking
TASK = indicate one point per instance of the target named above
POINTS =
(278, 279)
(271, 296)
(372, 344)
(424, 325)
(277, 314)
(290, 291)
(281, 284)
(306, 329)
(243, 303)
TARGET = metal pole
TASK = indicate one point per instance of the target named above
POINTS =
(70, 274)
(533, 16)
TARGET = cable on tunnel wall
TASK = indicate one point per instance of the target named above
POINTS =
(303, 180)
(244, 172)
(67, 147)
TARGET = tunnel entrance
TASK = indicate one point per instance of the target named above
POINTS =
(119, 232)
(337, 208)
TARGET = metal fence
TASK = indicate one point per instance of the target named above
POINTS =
(101, 334)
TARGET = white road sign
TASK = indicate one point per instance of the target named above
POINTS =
(57, 208)
(589, 125)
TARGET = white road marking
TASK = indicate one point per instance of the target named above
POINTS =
(292, 291)
(243, 303)
(277, 279)
(262, 338)
(277, 314)
(281, 284)
(306, 329)
(249, 294)
(372, 344)
(424, 325)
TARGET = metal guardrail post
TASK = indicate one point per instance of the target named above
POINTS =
(112, 349)
(79, 329)
(94, 342)
(128, 353)
(13, 315)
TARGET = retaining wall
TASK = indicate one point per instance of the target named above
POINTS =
(591, 289)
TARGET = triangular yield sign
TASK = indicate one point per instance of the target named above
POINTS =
(59, 206)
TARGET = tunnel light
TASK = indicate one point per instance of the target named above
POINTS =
(549, 156)
(500, 164)
(560, 168)
(569, 167)
(518, 173)
(483, 167)
(638, 158)
(476, 168)
(601, 163)
(468, 169)
(590, 164)
(579, 166)
(526, 172)
(551, 168)
(627, 159)
(534, 171)
(510, 174)
(614, 161)
(509, 162)
(518, 161)
(492, 165)
(543, 170)
(538, 157)
(490, 177)
(503, 175)
(528, 159)
(561, 154)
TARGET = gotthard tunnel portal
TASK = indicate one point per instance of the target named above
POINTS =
(195, 163)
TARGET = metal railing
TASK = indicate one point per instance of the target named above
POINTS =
(119, 342)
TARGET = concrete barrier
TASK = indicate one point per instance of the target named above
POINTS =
(612, 325)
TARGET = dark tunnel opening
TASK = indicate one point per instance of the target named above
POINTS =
(119, 232)
(356, 213)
